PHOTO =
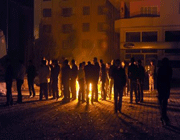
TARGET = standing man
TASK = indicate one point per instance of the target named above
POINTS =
(164, 77)
(96, 77)
(103, 76)
(151, 76)
(141, 75)
(55, 70)
(20, 79)
(31, 73)
(65, 81)
(44, 74)
(8, 80)
(132, 74)
(73, 77)
(119, 77)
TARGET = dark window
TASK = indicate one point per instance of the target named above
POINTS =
(149, 36)
(67, 28)
(101, 10)
(172, 36)
(47, 28)
(128, 56)
(66, 12)
(86, 27)
(149, 51)
(138, 57)
(46, 12)
(87, 44)
(132, 51)
(172, 51)
(102, 27)
(86, 10)
(151, 56)
(133, 37)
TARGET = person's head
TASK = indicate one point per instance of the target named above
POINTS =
(65, 62)
(118, 62)
(43, 62)
(72, 61)
(101, 61)
(80, 66)
(151, 62)
(132, 60)
(139, 62)
(165, 61)
(89, 63)
(95, 59)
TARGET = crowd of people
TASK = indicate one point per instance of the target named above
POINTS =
(54, 77)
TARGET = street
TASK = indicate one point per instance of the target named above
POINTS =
(34, 119)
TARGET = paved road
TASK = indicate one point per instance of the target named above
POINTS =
(53, 120)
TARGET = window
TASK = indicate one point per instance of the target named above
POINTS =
(172, 36)
(66, 44)
(102, 26)
(133, 37)
(172, 51)
(67, 28)
(86, 10)
(149, 36)
(47, 28)
(101, 10)
(149, 51)
(66, 12)
(87, 44)
(149, 10)
(132, 51)
(46, 12)
(86, 27)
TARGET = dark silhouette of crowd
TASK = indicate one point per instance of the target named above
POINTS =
(94, 80)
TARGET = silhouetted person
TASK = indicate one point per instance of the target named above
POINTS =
(73, 76)
(96, 77)
(81, 80)
(111, 80)
(31, 73)
(9, 80)
(20, 79)
(44, 74)
(65, 81)
(50, 65)
(89, 72)
(119, 77)
(103, 76)
(132, 74)
(164, 77)
(55, 70)
(141, 76)
(151, 76)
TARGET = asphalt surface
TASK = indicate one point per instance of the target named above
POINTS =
(53, 120)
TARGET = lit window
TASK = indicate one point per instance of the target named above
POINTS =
(47, 28)
(86, 10)
(66, 12)
(133, 37)
(86, 27)
(67, 28)
(46, 12)
(149, 36)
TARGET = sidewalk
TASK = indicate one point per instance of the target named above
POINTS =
(53, 120)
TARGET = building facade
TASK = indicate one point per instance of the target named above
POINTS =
(80, 29)
(150, 30)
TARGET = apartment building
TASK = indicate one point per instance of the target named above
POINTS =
(150, 30)
(81, 29)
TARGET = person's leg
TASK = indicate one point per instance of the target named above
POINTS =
(46, 90)
(19, 84)
(115, 100)
(120, 99)
(131, 91)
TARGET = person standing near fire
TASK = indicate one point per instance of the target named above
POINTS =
(151, 76)
(73, 77)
